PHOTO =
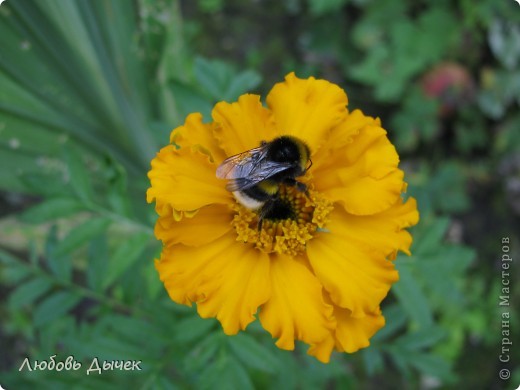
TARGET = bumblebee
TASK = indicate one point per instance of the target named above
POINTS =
(254, 176)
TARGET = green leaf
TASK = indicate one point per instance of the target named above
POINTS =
(422, 338)
(211, 6)
(117, 194)
(431, 236)
(373, 360)
(226, 373)
(395, 319)
(187, 100)
(8, 259)
(80, 235)
(153, 288)
(49, 185)
(108, 347)
(412, 298)
(504, 41)
(78, 173)
(192, 328)
(60, 265)
(219, 80)
(132, 328)
(97, 254)
(51, 209)
(79, 69)
(13, 269)
(53, 307)
(242, 82)
(253, 354)
(203, 353)
(432, 365)
(321, 7)
(13, 274)
(446, 260)
(29, 292)
(126, 254)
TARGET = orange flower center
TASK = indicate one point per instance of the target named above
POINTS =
(304, 215)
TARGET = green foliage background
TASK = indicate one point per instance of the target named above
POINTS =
(89, 91)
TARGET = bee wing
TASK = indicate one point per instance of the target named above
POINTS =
(241, 165)
(246, 169)
(262, 171)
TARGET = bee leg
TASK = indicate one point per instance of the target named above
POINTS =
(260, 223)
(302, 188)
(266, 208)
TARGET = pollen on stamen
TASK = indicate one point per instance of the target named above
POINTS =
(288, 236)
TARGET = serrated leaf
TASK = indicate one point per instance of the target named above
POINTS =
(192, 328)
(117, 195)
(213, 76)
(395, 319)
(412, 298)
(97, 254)
(153, 285)
(126, 254)
(432, 365)
(205, 351)
(132, 328)
(431, 236)
(220, 81)
(187, 99)
(8, 259)
(243, 82)
(106, 346)
(13, 270)
(400, 358)
(60, 265)
(450, 260)
(54, 306)
(80, 235)
(51, 209)
(13, 274)
(29, 292)
(253, 354)
(422, 338)
(373, 360)
(226, 373)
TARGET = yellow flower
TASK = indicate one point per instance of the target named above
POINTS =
(318, 276)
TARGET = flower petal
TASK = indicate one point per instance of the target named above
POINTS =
(205, 225)
(180, 273)
(184, 179)
(323, 349)
(242, 125)
(198, 135)
(383, 231)
(307, 108)
(228, 280)
(356, 279)
(351, 333)
(362, 176)
(296, 310)
(342, 135)
(354, 333)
